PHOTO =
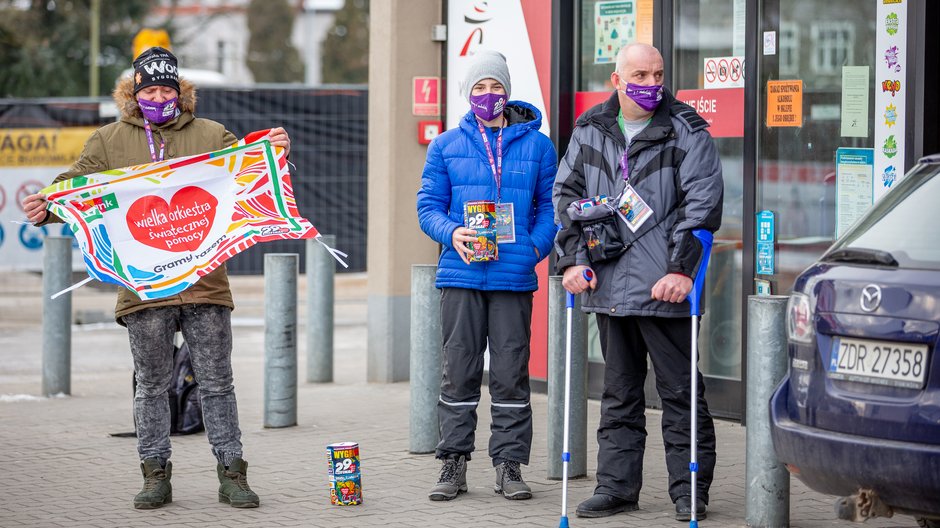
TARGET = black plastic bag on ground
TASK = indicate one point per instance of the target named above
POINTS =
(185, 405)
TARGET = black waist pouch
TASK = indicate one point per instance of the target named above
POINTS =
(600, 231)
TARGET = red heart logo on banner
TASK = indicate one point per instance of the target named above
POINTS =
(178, 226)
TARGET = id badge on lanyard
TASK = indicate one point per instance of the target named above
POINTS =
(631, 207)
(505, 219)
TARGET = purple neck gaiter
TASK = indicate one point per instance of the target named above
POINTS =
(488, 106)
(646, 97)
(158, 112)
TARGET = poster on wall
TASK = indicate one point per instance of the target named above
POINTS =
(854, 185)
(891, 56)
(785, 103)
(520, 30)
(614, 28)
(854, 111)
(30, 158)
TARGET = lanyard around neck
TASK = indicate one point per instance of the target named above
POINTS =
(495, 165)
(153, 150)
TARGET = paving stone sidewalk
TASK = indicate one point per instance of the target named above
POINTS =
(61, 467)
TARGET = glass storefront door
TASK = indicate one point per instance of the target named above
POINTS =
(701, 29)
(821, 78)
(826, 47)
(707, 72)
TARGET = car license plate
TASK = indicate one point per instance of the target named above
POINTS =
(878, 362)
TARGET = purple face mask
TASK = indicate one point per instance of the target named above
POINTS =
(488, 106)
(646, 97)
(158, 112)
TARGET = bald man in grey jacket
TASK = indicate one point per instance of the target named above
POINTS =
(654, 161)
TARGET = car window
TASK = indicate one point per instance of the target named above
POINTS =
(905, 222)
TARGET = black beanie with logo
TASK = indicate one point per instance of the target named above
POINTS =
(156, 66)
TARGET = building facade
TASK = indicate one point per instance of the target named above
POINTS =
(816, 106)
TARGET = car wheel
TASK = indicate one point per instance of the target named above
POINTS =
(923, 522)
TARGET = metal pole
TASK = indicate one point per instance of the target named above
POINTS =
(426, 357)
(95, 47)
(321, 271)
(56, 316)
(280, 339)
(767, 490)
(577, 421)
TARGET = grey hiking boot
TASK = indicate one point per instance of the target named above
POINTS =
(157, 490)
(233, 485)
(453, 479)
(509, 482)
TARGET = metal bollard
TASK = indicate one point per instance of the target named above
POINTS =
(577, 421)
(56, 316)
(280, 339)
(767, 489)
(426, 357)
(321, 271)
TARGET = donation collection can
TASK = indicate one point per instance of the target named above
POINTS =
(345, 477)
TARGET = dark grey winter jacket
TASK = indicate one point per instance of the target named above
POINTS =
(674, 167)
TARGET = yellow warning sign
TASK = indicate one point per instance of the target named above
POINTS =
(42, 147)
(785, 103)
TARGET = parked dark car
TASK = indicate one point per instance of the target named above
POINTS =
(858, 415)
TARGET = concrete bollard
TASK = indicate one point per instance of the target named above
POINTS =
(280, 339)
(426, 357)
(56, 316)
(767, 489)
(321, 271)
(577, 421)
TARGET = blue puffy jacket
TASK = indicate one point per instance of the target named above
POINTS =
(458, 171)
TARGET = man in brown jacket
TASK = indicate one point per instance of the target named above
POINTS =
(157, 122)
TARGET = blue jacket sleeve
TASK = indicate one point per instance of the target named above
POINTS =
(543, 230)
(434, 198)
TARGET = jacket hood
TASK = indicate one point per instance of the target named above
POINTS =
(520, 116)
(127, 104)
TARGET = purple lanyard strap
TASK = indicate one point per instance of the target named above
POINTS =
(624, 166)
(495, 165)
(153, 153)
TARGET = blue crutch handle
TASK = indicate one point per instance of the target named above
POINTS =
(588, 275)
(695, 296)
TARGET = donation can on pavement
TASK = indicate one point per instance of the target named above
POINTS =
(345, 475)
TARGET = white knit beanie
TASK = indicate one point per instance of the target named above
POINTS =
(486, 64)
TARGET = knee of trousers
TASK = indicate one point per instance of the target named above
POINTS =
(216, 387)
(679, 394)
(521, 407)
(151, 387)
(216, 381)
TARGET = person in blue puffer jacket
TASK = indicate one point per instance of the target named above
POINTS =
(497, 154)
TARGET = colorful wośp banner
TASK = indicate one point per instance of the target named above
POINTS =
(157, 228)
